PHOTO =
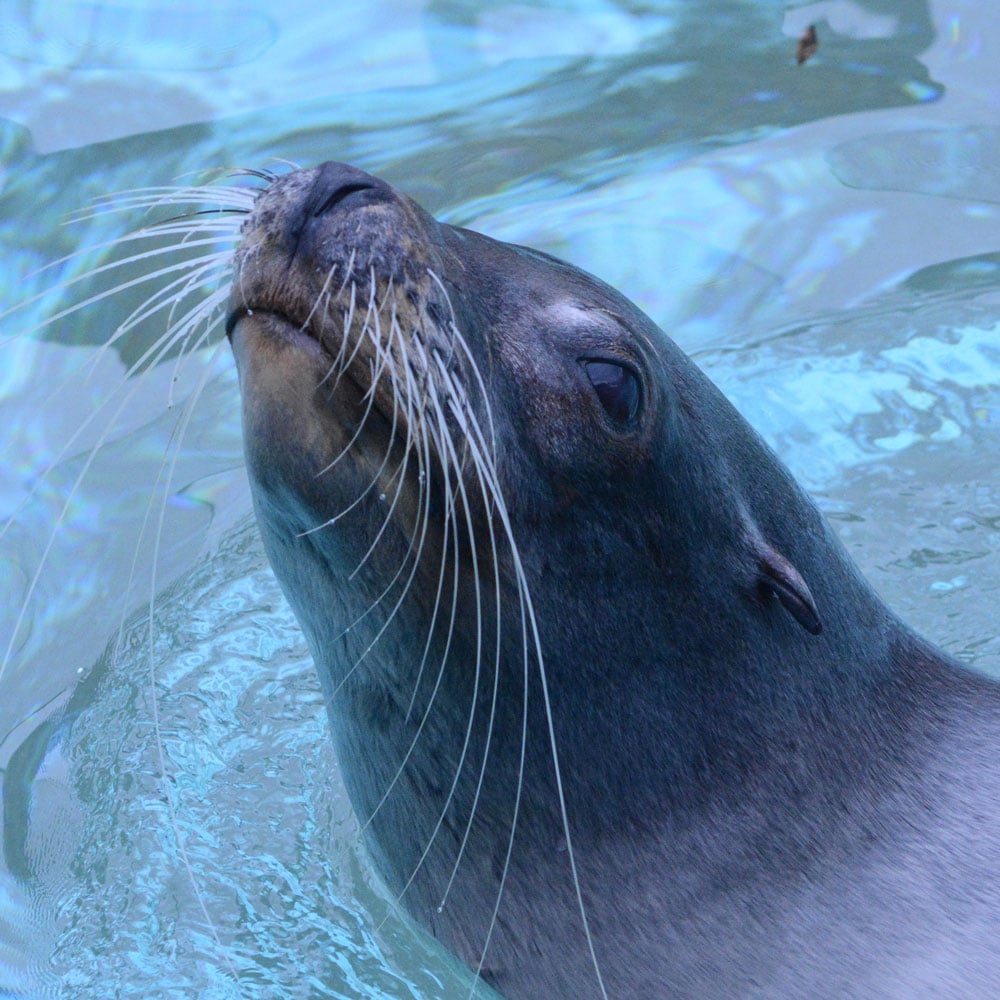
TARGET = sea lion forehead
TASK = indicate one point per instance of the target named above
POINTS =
(597, 328)
(573, 314)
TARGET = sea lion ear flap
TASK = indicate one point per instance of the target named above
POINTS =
(781, 578)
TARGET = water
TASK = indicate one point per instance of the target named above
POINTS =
(823, 239)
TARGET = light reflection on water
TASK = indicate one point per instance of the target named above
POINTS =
(822, 239)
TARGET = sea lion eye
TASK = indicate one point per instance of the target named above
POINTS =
(617, 387)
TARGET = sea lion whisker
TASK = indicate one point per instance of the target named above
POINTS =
(449, 445)
(239, 274)
(501, 511)
(388, 292)
(452, 322)
(451, 459)
(128, 202)
(526, 612)
(424, 452)
(206, 315)
(478, 460)
(459, 339)
(304, 325)
(423, 512)
(449, 503)
(425, 521)
(149, 358)
(536, 642)
(200, 274)
(348, 275)
(486, 474)
(181, 288)
(385, 364)
(532, 623)
(450, 532)
(326, 319)
(474, 698)
(371, 313)
(157, 348)
(414, 399)
(344, 511)
(424, 509)
(369, 399)
(450, 538)
(64, 450)
(221, 218)
(431, 434)
(178, 331)
(394, 334)
(339, 361)
(345, 450)
(151, 355)
(99, 296)
(226, 226)
(519, 786)
(262, 173)
(174, 450)
(397, 476)
(268, 176)
(376, 360)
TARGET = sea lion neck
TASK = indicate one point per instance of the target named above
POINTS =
(685, 638)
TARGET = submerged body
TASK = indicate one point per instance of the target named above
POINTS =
(617, 713)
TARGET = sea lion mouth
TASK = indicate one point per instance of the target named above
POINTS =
(302, 336)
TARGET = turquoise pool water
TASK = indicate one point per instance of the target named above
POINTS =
(824, 240)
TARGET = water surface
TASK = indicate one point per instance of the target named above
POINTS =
(823, 239)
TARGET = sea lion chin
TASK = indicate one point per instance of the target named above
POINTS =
(617, 713)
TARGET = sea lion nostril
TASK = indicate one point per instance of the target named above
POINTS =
(337, 196)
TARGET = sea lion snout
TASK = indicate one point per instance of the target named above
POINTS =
(312, 232)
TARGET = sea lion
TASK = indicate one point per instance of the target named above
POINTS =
(617, 713)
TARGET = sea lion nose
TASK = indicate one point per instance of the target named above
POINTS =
(339, 185)
(336, 190)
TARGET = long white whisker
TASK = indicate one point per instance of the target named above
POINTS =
(329, 522)
(67, 503)
(418, 430)
(478, 461)
(107, 293)
(129, 202)
(150, 357)
(451, 533)
(154, 699)
(431, 436)
(371, 312)
(450, 460)
(501, 511)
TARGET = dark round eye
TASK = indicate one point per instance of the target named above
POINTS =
(617, 388)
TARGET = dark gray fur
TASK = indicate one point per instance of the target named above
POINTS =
(775, 789)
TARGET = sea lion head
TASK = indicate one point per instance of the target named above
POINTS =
(390, 360)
